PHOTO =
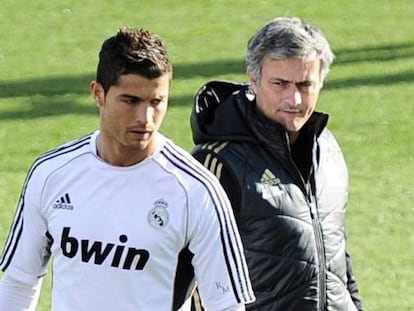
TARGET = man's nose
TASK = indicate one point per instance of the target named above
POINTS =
(294, 95)
(297, 97)
(145, 113)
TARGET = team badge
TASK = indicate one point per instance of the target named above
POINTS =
(158, 216)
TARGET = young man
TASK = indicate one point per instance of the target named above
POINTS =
(282, 169)
(115, 208)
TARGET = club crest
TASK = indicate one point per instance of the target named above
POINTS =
(158, 216)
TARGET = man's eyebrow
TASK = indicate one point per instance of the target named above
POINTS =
(289, 81)
(279, 79)
(137, 98)
(132, 97)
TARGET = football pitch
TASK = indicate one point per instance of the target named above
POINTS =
(48, 55)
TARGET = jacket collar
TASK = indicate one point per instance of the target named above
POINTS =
(271, 134)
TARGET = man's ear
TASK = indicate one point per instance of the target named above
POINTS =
(97, 93)
(252, 80)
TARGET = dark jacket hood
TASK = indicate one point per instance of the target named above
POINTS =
(225, 110)
(218, 115)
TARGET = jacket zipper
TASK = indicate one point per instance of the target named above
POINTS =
(321, 255)
(311, 201)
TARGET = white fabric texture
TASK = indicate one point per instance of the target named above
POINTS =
(17, 296)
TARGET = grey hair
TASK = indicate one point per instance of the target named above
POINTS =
(287, 37)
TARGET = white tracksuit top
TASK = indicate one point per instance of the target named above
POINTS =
(114, 233)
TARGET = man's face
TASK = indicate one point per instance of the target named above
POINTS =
(288, 91)
(131, 113)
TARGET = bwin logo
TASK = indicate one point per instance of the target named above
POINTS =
(98, 252)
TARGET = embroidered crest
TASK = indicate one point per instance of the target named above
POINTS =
(158, 216)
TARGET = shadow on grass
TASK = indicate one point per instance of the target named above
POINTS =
(53, 95)
(406, 76)
(382, 53)
(61, 85)
(55, 105)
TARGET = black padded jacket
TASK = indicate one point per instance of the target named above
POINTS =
(289, 200)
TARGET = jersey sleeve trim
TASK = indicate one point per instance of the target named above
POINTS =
(231, 242)
(16, 229)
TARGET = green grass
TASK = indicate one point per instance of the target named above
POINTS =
(48, 55)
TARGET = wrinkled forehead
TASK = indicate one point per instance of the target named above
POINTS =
(292, 69)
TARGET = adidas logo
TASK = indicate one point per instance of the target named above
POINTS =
(269, 179)
(270, 188)
(63, 203)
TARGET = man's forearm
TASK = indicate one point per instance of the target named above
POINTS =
(18, 296)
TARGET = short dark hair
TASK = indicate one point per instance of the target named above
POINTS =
(132, 51)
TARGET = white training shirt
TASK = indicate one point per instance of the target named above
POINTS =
(115, 232)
